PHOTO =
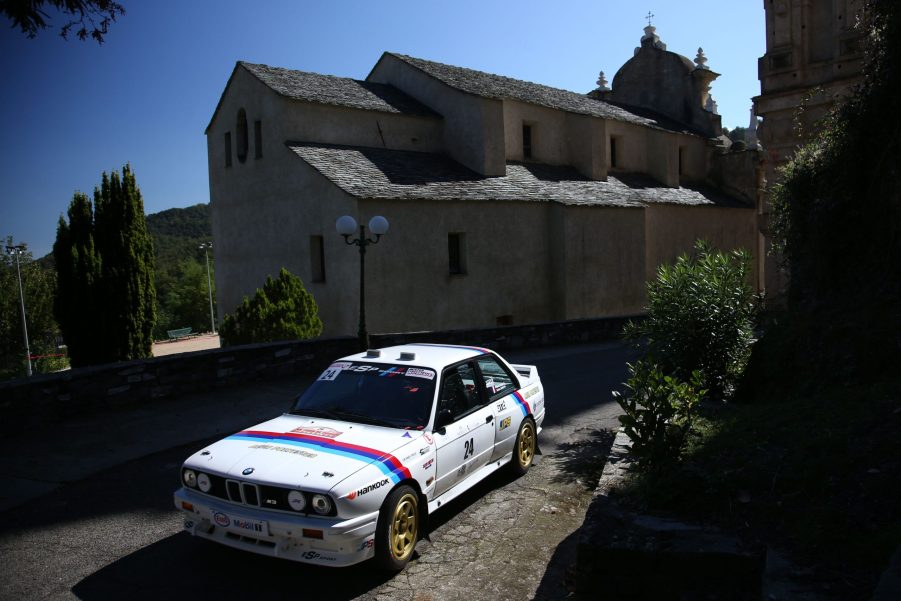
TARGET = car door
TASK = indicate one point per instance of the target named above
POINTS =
(467, 443)
(499, 386)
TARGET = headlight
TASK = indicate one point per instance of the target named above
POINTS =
(190, 478)
(296, 500)
(203, 482)
(322, 504)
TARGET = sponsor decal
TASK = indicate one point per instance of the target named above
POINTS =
(317, 431)
(387, 463)
(461, 471)
(505, 423)
(221, 519)
(340, 365)
(427, 437)
(406, 435)
(328, 475)
(205, 453)
(423, 450)
(416, 372)
(502, 406)
(366, 489)
(392, 371)
(367, 544)
(363, 368)
(429, 481)
(539, 405)
(247, 471)
(247, 525)
(531, 392)
(280, 449)
(410, 456)
(428, 464)
(316, 555)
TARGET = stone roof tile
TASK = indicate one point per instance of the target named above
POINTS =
(337, 91)
(403, 175)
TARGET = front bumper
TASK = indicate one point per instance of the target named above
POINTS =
(277, 534)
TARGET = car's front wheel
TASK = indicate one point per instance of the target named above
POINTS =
(397, 529)
(524, 449)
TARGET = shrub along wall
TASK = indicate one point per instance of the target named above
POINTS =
(105, 387)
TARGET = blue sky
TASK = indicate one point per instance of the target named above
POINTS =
(75, 109)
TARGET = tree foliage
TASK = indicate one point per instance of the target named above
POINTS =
(701, 315)
(105, 301)
(87, 18)
(38, 284)
(281, 310)
(837, 223)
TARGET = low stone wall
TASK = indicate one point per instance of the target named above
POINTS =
(104, 387)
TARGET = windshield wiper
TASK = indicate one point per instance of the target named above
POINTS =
(360, 417)
(314, 413)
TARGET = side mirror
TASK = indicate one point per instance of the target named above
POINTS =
(443, 418)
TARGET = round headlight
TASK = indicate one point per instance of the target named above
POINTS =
(322, 504)
(190, 478)
(203, 482)
(296, 500)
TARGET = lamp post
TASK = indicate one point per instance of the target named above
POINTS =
(17, 250)
(206, 246)
(347, 226)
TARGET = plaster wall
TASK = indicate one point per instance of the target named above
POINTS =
(473, 127)
(631, 147)
(588, 145)
(672, 230)
(663, 157)
(602, 260)
(549, 141)
(695, 164)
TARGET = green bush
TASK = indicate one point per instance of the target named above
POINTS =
(701, 315)
(281, 310)
(658, 412)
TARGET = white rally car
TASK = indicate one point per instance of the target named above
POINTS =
(378, 442)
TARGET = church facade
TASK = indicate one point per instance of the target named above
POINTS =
(509, 202)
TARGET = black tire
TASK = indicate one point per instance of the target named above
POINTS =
(524, 448)
(398, 529)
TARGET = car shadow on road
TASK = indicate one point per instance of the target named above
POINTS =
(583, 461)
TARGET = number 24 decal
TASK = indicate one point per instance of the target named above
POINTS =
(469, 447)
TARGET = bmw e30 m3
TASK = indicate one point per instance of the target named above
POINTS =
(377, 443)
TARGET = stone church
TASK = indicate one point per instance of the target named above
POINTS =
(509, 202)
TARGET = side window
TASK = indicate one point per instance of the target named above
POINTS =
(459, 392)
(497, 380)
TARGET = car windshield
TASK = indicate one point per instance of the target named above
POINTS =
(396, 396)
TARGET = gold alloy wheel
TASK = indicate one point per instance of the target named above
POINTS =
(404, 527)
(526, 444)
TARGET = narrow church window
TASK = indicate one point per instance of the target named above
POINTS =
(258, 139)
(613, 152)
(456, 253)
(228, 149)
(526, 141)
(241, 134)
(317, 258)
(681, 153)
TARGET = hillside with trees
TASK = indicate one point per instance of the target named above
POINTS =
(181, 278)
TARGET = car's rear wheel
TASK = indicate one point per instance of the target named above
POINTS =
(397, 529)
(524, 449)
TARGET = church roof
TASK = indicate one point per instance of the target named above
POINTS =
(379, 173)
(500, 87)
(337, 91)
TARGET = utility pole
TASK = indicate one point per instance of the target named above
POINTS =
(209, 282)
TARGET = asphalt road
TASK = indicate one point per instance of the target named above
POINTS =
(116, 535)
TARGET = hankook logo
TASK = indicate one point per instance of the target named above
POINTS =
(359, 493)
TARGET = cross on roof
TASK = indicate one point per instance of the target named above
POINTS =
(650, 16)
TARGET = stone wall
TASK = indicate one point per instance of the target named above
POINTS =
(50, 397)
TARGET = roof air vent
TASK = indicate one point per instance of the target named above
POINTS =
(407, 357)
(373, 353)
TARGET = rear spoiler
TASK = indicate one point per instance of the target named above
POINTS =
(526, 373)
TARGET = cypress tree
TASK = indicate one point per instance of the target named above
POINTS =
(107, 298)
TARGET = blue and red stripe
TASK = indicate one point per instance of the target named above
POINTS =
(521, 403)
(387, 463)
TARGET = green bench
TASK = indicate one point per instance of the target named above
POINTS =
(179, 333)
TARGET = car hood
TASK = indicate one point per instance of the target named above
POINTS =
(309, 453)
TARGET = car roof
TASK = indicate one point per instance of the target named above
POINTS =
(435, 356)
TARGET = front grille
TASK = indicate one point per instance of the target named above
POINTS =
(256, 495)
(249, 540)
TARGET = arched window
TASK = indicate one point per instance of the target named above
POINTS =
(241, 134)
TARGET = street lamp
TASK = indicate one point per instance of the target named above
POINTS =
(347, 226)
(17, 250)
(206, 246)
